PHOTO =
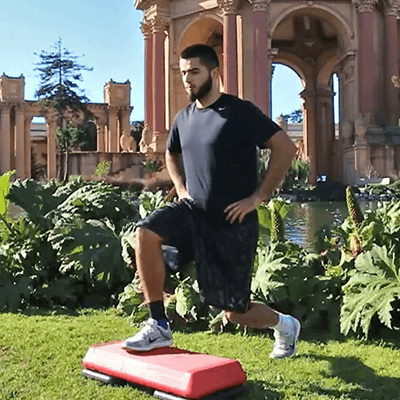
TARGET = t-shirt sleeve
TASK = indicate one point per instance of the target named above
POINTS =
(262, 127)
(174, 142)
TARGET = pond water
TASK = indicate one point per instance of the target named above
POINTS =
(305, 219)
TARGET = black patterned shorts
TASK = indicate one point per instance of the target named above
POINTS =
(223, 252)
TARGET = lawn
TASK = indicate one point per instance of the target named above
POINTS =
(40, 358)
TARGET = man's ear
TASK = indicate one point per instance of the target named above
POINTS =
(215, 73)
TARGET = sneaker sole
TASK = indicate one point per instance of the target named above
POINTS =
(148, 348)
(297, 334)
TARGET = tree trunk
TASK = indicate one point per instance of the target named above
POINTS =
(66, 163)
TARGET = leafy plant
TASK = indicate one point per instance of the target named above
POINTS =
(5, 183)
(153, 166)
(373, 287)
(131, 302)
(103, 168)
(149, 202)
(27, 264)
(278, 229)
(290, 279)
(353, 207)
(72, 246)
(36, 199)
(265, 218)
(297, 175)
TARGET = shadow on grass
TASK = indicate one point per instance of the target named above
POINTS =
(254, 390)
(369, 385)
(259, 390)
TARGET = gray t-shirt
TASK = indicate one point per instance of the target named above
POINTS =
(219, 149)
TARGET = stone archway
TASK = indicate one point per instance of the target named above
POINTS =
(312, 41)
(206, 30)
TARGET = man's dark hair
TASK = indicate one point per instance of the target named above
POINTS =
(207, 55)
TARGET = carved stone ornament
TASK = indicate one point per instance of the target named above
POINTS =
(260, 5)
(391, 8)
(365, 5)
(147, 138)
(145, 27)
(228, 6)
(158, 24)
(5, 108)
(127, 142)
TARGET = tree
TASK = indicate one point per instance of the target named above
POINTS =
(295, 116)
(60, 74)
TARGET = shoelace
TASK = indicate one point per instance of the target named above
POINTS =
(149, 328)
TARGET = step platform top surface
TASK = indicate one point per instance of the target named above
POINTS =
(170, 369)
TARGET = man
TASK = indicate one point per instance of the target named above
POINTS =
(212, 160)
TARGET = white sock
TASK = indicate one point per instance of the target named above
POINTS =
(284, 324)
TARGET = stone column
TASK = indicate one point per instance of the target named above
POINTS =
(366, 57)
(148, 92)
(271, 54)
(19, 145)
(309, 97)
(27, 128)
(101, 140)
(261, 72)
(113, 137)
(392, 62)
(158, 27)
(390, 169)
(348, 95)
(325, 131)
(361, 149)
(51, 148)
(229, 9)
(5, 139)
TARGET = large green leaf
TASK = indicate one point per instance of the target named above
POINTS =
(373, 286)
(187, 299)
(95, 246)
(36, 199)
(4, 191)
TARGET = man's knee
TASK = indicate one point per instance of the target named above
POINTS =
(232, 316)
(146, 237)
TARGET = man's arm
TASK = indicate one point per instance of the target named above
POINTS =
(175, 169)
(282, 152)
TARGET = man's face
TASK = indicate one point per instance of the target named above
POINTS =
(196, 78)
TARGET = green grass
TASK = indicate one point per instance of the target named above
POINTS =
(40, 358)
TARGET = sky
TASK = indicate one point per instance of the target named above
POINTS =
(107, 34)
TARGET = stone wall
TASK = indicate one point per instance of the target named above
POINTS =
(85, 163)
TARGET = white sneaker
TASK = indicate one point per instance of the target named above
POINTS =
(152, 336)
(286, 343)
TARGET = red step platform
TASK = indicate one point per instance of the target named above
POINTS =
(172, 372)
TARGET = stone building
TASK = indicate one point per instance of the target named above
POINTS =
(356, 39)
(112, 125)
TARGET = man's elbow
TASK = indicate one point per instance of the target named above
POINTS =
(287, 145)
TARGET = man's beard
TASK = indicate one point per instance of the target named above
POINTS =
(204, 89)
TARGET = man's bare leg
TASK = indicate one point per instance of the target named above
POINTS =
(150, 263)
(260, 316)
